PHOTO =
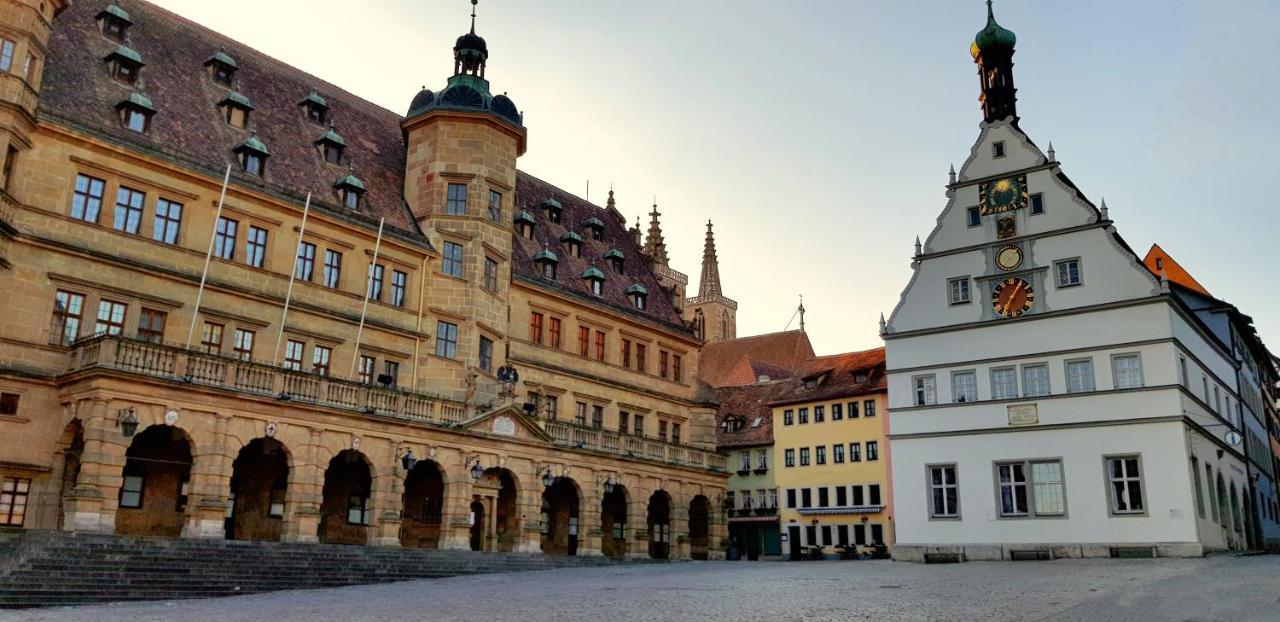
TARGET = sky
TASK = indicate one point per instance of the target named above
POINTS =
(817, 135)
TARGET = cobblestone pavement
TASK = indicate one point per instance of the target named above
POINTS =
(1219, 588)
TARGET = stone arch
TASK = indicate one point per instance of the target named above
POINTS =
(613, 521)
(499, 491)
(156, 478)
(659, 522)
(423, 505)
(700, 527)
(259, 484)
(346, 510)
(561, 503)
(71, 446)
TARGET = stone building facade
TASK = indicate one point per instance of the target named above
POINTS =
(244, 303)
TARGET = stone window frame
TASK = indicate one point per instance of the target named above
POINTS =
(1109, 482)
(1115, 375)
(934, 515)
(1028, 466)
(1091, 382)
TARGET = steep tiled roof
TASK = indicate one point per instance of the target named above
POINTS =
(748, 403)
(1171, 269)
(837, 376)
(720, 362)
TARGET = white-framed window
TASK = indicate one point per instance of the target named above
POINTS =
(1068, 271)
(1126, 369)
(131, 491)
(964, 386)
(1125, 491)
(997, 149)
(745, 460)
(1031, 488)
(1037, 204)
(944, 492)
(958, 290)
(926, 390)
(1080, 376)
(1035, 380)
(789, 457)
(1004, 383)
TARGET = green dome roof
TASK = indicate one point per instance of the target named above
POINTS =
(116, 12)
(238, 99)
(993, 36)
(316, 99)
(546, 255)
(570, 236)
(224, 58)
(139, 100)
(332, 136)
(553, 204)
(126, 52)
(594, 223)
(593, 273)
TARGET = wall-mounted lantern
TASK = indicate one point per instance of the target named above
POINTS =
(127, 421)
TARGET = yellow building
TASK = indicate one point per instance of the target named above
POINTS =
(830, 436)
(244, 303)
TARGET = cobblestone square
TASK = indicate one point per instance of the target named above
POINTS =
(1219, 588)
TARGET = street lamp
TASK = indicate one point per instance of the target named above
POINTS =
(608, 485)
(408, 460)
(547, 478)
(127, 421)
(477, 470)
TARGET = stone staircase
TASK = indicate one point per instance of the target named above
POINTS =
(54, 568)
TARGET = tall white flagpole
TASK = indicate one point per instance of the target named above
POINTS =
(368, 289)
(195, 313)
(297, 249)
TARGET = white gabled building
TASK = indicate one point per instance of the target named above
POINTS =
(1050, 396)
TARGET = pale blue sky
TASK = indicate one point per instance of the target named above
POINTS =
(817, 135)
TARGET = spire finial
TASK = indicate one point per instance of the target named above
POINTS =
(918, 253)
(709, 284)
(951, 174)
(475, 2)
(1052, 157)
(801, 310)
(1105, 214)
(882, 323)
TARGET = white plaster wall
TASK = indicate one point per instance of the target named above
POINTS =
(1076, 408)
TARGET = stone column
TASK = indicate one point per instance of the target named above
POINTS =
(638, 525)
(455, 530)
(718, 538)
(210, 481)
(388, 499)
(529, 515)
(681, 547)
(91, 504)
(305, 490)
(590, 532)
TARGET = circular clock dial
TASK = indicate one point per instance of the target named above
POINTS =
(1004, 192)
(1012, 297)
(1009, 258)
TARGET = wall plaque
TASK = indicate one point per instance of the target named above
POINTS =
(505, 426)
(1023, 414)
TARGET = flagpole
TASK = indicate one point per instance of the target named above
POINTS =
(368, 289)
(204, 275)
(297, 249)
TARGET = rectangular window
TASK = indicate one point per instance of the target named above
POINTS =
(6, 54)
(365, 370)
(390, 369)
(128, 209)
(580, 413)
(997, 149)
(837, 412)
(211, 338)
(641, 364)
(1035, 380)
(456, 204)
(224, 242)
(855, 452)
(662, 430)
(376, 272)
(584, 341)
(804, 456)
(974, 217)
(131, 491)
(1124, 473)
(638, 420)
(788, 417)
(1048, 492)
(597, 421)
(320, 359)
(1037, 203)
(624, 422)
(1127, 371)
(820, 454)
(677, 373)
(490, 274)
(86, 202)
(293, 350)
(167, 222)
(873, 494)
(495, 206)
(554, 333)
(110, 318)
(819, 414)
(1013, 489)
(626, 353)
(452, 264)
(446, 339)
(535, 327)
(853, 410)
(959, 290)
(332, 268)
(859, 499)
(304, 267)
(67, 311)
(1004, 383)
(824, 497)
(255, 247)
(486, 354)
(1213, 496)
(675, 433)
(842, 534)
(762, 459)
(873, 450)
(1182, 372)
(599, 346)
(399, 283)
(1080, 376)
(944, 494)
(804, 415)
(13, 500)
(877, 534)
(242, 346)
(789, 457)
(964, 386)
(663, 363)
(926, 390)
(806, 497)
(837, 453)
(1195, 473)
(151, 325)
(791, 498)
(1068, 272)
(842, 495)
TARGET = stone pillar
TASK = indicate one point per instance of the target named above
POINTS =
(210, 481)
(455, 530)
(718, 538)
(681, 547)
(388, 498)
(590, 532)
(638, 525)
(91, 504)
(529, 515)
(305, 490)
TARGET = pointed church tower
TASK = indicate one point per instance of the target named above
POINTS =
(655, 247)
(713, 316)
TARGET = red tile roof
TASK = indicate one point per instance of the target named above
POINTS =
(838, 376)
(748, 403)
(721, 363)
(1171, 269)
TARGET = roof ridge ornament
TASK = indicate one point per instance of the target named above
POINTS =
(1052, 156)
(476, 2)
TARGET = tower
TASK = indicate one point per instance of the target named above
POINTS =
(713, 316)
(655, 247)
(672, 281)
(992, 50)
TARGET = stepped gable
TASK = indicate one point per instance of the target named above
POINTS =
(188, 126)
(720, 362)
(837, 375)
(748, 403)
(531, 192)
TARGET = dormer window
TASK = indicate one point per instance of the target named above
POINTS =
(222, 68)
(860, 377)
(595, 280)
(253, 155)
(331, 146)
(810, 383)
(524, 224)
(350, 191)
(114, 22)
(552, 209)
(732, 424)
(546, 262)
(124, 65)
(572, 242)
(135, 113)
(615, 259)
(638, 295)
(235, 109)
(315, 108)
(595, 228)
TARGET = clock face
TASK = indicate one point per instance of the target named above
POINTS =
(1009, 258)
(1002, 195)
(1012, 297)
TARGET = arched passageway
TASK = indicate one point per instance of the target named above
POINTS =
(660, 525)
(259, 480)
(560, 517)
(497, 490)
(156, 475)
(423, 506)
(345, 512)
(613, 522)
(699, 527)
(72, 448)
(479, 520)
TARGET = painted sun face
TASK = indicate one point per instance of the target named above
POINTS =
(1002, 195)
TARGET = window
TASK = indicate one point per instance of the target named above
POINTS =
(10, 159)
(399, 281)
(788, 417)
(997, 149)
(128, 209)
(1004, 383)
(167, 221)
(113, 27)
(535, 328)
(553, 406)
(220, 72)
(1195, 473)
(332, 268)
(390, 369)
(804, 456)
(599, 346)
(6, 54)
(638, 420)
(224, 242)
(640, 358)
(131, 488)
(1080, 376)
(456, 203)
(86, 202)
(67, 310)
(789, 457)
(853, 410)
(926, 390)
(242, 346)
(252, 162)
(804, 415)
(490, 274)
(837, 453)
(597, 421)
(320, 359)
(555, 333)
(873, 494)
(974, 217)
(365, 369)
(13, 500)
(624, 422)
(964, 386)
(1127, 371)
(1182, 372)
(584, 341)
(626, 353)
(597, 287)
(873, 451)
(123, 69)
(110, 318)
(1125, 476)
(959, 289)
(452, 265)
(495, 206)
(663, 363)
(1068, 272)
(806, 499)
(446, 339)
(486, 354)
(819, 414)
(1037, 203)
(304, 264)
(255, 248)
(824, 497)
(859, 498)
(791, 496)
(944, 494)
(332, 153)
(350, 197)
(237, 116)
(275, 502)
(677, 373)
(151, 325)
(1035, 380)
(662, 430)
(855, 452)
(580, 413)
(293, 350)
(358, 507)
(134, 119)
(820, 454)
(376, 272)
(1012, 485)
(762, 461)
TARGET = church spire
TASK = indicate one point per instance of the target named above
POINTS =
(654, 246)
(992, 50)
(709, 285)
